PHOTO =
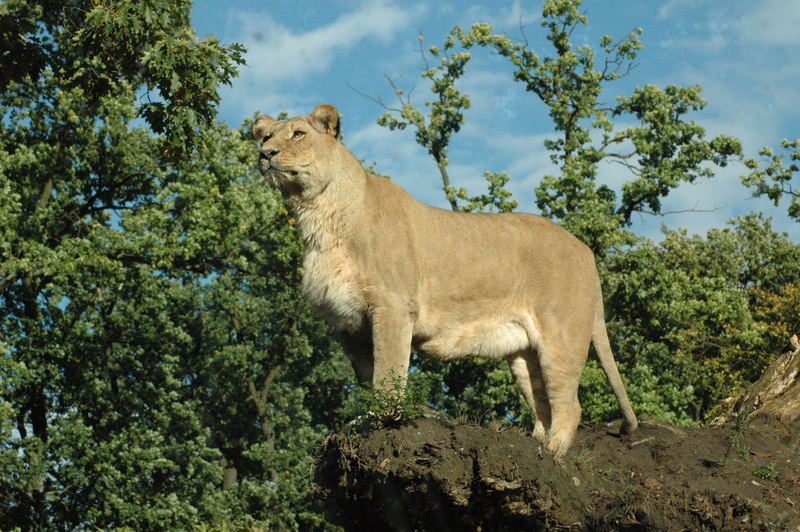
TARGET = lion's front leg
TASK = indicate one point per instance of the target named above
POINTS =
(392, 328)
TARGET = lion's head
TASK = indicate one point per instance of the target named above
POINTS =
(295, 154)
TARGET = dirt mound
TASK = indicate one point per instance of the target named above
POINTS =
(430, 475)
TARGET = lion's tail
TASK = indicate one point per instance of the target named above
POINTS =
(603, 348)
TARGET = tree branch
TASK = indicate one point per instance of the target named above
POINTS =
(44, 198)
(678, 211)
(446, 185)
(259, 397)
(633, 168)
(373, 98)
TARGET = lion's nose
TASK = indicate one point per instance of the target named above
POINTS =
(269, 153)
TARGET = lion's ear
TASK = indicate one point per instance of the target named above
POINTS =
(325, 119)
(260, 126)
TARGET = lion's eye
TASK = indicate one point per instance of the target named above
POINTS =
(298, 134)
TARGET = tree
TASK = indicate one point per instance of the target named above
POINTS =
(94, 45)
(444, 119)
(153, 339)
(271, 375)
(662, 152)
(774, 181)
(684, 321)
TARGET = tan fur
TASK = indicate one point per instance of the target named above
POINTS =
(394, 275)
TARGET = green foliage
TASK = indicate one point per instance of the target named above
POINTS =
(481, 389)
(655, 396)
(155, 351)
(497, 198)
(776, 310)
(735, 435)
(685, 309)
(158, 366)
(669, 150)
(94, 45)
(775, 180)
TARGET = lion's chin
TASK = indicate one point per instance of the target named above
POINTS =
(285, 182)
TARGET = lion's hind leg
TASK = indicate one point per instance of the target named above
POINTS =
(528, 377)
(561, 372)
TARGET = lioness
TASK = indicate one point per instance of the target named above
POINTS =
(394, 275)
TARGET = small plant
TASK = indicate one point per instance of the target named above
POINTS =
(744, 451)
(737, 432)
(583, 458)
(767, 471)
(461, 419)
(391, 402)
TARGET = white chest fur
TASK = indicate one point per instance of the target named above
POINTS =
(330, 287)
(330, 278)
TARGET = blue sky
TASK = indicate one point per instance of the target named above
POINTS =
(745, 55)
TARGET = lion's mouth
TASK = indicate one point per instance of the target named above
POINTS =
(276, 174)
(271, 165)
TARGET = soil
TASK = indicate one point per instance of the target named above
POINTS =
(430, 474)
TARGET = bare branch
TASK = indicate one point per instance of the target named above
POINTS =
(398, 91)
(619, 138)
(787, 189)
(621, 161)
(373, 98)
(679, 211)
(522, 31)
(421, 38)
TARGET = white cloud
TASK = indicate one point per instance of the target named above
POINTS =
(506, 95)
(741, 54)
(505, 19)
(526, 155)
(276, 53)
(774, 22)
(280, 60)
(669, 8)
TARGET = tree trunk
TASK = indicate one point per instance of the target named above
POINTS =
(37, 406)
(776, 394)
(229, 474)
(37, 458)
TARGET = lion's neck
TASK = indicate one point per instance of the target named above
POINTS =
(328, 217)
